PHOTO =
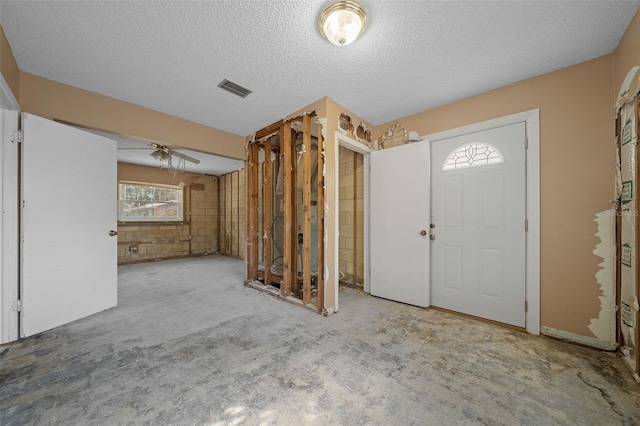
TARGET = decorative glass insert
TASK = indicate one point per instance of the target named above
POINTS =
(474, 154)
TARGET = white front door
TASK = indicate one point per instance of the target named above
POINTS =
(69, 206)
(479, 210)
(399, 223)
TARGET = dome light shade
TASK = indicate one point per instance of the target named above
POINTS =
(341, 22)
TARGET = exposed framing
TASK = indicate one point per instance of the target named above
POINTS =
(531, 119)
(296, 162)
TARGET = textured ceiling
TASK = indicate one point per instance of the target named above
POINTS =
(414, 55)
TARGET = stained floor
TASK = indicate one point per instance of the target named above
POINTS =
(188, 344)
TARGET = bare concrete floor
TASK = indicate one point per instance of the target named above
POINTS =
(188, 344)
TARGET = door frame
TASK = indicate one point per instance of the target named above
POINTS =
(353, 145)
(9, 236)
(531, 119)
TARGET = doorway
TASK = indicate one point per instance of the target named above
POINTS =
(529, 304)
(479, 224)
(531, 122)
(351, 218)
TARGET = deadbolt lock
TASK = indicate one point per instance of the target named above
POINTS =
(423, 232)
(432, 225)
(113, 233)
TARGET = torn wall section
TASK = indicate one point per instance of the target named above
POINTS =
(628, 218)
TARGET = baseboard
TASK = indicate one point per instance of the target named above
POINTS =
(576, 338)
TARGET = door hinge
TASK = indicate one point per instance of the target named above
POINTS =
(526, 306)
(16, 306)
(526, 225)
(526, 142)
(17, 136)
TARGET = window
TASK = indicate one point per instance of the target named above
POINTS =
(473, 155)
(139, 202)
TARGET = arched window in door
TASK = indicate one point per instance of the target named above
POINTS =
(474, 154)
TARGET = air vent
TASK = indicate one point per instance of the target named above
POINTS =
(234, 88)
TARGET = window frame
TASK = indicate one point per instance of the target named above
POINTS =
(182, 219)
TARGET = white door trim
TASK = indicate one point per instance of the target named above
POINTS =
(7, 98)
(353, 145)
(9, 239)
(532, 120)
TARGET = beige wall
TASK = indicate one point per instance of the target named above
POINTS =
(627, 54)
(53, 100)
(196, 236)
(136, 173)
(8, 66)
(576, 172)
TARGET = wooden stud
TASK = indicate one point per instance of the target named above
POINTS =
(270, 129)
(238, 214)
(228, 196)
(288, 233)
(293, 206)
(268, 212)
(320, 218)
(306, 209)
(251, 183)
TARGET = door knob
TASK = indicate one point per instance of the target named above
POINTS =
(432, 237)
(113, 233)
(432, 225)
(423, 232)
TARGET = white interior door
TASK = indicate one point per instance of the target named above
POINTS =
(69, 260)
(399, 223)
(479, 210)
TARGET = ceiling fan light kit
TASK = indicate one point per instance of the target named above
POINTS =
(342, 21)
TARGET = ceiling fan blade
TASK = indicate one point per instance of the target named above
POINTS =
(136, 148)
(185, 157)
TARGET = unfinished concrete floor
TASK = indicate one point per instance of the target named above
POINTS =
(188, 344)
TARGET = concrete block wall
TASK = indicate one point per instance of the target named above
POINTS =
(233, 219)
(351, 216)
(197, 236)
(204, 216)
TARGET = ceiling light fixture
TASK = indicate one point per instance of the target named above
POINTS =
(342, 21)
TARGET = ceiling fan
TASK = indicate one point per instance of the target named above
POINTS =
(163, 152)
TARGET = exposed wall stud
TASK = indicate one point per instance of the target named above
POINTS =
(268, 212)
(251, 182)
(288, 150)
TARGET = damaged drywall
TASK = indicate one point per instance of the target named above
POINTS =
(627, 116)
(604, 326)
(361, 133)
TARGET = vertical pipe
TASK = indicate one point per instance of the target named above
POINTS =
(306, 209)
